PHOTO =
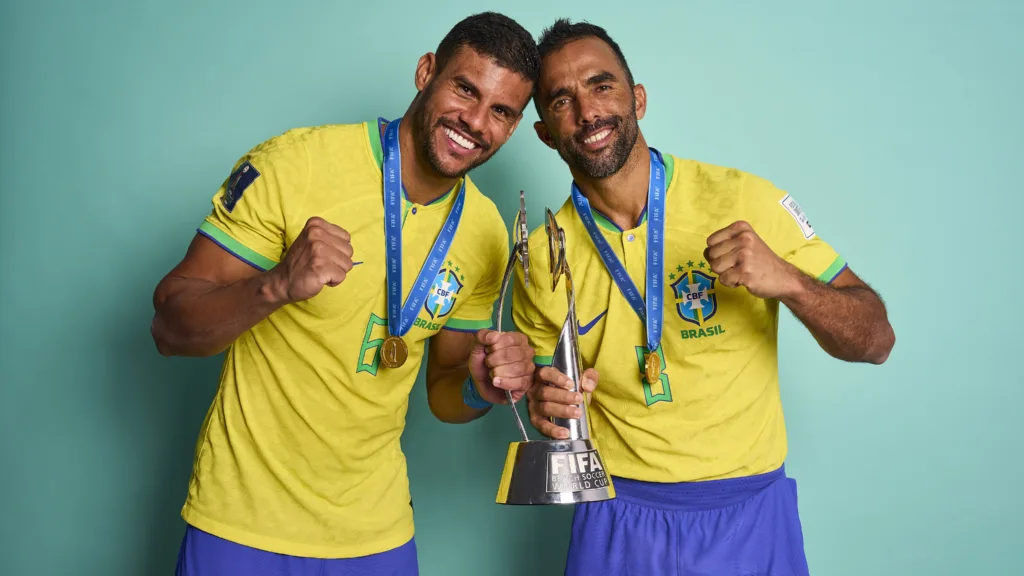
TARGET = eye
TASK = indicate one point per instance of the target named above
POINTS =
(560, 103)
(603, 88)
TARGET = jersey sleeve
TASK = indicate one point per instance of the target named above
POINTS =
(528, 304)
(783, 225)
(477, 311)
(248, 216)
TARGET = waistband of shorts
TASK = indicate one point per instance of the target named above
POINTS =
(703, 495)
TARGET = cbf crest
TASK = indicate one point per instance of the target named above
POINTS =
(694, 290)
(444, 291)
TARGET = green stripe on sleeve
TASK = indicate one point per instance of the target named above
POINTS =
(543, 360)
(235, 247)
(837, 266)
(466, 325)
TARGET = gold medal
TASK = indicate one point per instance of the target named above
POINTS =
(393, 352)
(652, 367)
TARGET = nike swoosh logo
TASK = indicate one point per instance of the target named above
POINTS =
(586, 327)
(356, 263)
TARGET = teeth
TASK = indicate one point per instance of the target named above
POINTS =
(598, 136)
(459, 139)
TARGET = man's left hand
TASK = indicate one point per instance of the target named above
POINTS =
(741, 258)
(501, 361)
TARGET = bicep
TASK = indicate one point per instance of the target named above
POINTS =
(205, 261)
(847, 279)
(450, 349)
(850, 283)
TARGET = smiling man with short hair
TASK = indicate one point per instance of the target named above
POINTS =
(680, 267)
(331, 257)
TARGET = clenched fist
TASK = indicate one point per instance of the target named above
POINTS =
(741, 258)
(320, 256)
(500, 362)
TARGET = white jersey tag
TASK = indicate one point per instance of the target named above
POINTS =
(791, 206)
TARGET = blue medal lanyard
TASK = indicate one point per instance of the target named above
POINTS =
(650, 312)
(400, 318)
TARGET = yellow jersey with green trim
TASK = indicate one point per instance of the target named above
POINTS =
(716, 410)
(300, 451)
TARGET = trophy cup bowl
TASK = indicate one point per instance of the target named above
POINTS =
(566, 471)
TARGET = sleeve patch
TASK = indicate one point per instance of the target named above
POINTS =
(239, 180)
(791, 206)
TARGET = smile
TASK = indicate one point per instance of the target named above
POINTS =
(459, 139)
(598, 137)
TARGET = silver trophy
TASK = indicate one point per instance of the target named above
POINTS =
(552, 471)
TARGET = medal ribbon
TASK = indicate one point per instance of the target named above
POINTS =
(650, 312)
(401, 317)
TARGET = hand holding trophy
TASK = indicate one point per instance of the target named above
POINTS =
(563, 471)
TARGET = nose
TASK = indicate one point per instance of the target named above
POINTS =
(474, 116)
(586, 109)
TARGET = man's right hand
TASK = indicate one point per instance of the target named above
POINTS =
(551, 397)
(320, 256)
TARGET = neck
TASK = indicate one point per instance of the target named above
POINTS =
(621, 197)
(422, 183)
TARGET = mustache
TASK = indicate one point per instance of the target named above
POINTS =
(598, 125)
(475, 136)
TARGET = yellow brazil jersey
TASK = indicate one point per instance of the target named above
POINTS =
(300, 451)
(716, 412)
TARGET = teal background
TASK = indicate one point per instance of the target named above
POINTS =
(898, 126)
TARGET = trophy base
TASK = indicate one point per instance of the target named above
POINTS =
(554, 472)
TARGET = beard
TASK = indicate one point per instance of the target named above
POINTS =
(422, 129)
(612, 158)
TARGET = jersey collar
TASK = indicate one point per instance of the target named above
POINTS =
(374, 135)
(606, 223)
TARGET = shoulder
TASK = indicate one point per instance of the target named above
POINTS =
(316, 142)
(332, 143)
(705, 175)
(300, 164)
(277, 163)
(721, 195)
(708, 184)
(278, 149)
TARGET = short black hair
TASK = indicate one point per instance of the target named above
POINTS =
(496, 36)
(564, 31)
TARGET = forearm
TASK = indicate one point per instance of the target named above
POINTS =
(444, 395)
(849, 322)
(201, 318)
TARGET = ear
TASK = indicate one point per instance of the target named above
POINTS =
(640, 93)
(425, 70)
(543, 134)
